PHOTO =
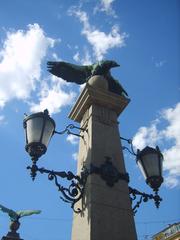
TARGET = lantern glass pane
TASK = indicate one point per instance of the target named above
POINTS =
(34, 129)
(48, 132)
(151, 164)
(141, 168)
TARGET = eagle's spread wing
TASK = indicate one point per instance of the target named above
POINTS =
(4, 209)
(27, 213)
(12, 214)
(69, 72)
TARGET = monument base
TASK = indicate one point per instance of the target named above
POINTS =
(11, 236)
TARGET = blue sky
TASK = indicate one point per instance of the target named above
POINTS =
(143, 37)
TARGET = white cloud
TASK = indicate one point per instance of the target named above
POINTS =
(76, 57)
(85, 60)
(55, 57)
(160, 63)
(147, 136)
(20, 62)
(81, 87)
(53, 97)
(172, 154)
(169, 137)
(106, 6)
(75, 156)
(2, 119)
(20, 71)
(173, 130)
(100, 41)
(72, 139)
(171, 181)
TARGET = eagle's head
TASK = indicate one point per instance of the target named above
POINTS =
(114, 64)
(110, 64)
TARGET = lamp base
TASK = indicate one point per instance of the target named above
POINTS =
(154, 182)
(36, 149)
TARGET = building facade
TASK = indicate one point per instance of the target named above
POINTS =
(172, 232)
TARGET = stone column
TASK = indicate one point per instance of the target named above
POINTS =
(107, 212)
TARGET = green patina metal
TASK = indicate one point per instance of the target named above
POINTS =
(80, 74)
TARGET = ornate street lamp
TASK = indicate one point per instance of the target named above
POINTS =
(150, 164)
(40, 127)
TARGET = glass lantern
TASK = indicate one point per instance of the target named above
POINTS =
(39, 128)
(149, 161)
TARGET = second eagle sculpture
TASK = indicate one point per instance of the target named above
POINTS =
(82, 73)
(16, 215)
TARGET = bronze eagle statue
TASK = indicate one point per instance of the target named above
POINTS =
(15, 216)
(80, 74)
(14, 219)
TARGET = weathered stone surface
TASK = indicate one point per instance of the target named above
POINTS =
(98, 81)
(96, 96)
(107, 212)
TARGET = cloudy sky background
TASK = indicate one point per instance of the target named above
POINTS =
(143, 38)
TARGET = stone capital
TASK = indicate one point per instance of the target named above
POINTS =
(97, 96)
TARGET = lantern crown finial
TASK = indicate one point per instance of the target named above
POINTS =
(46, 112)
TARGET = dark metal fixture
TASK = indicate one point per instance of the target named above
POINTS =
(71, 194)
(150, 164)
(144, 197)
(149, 161)
(74, 192)
(40, 127)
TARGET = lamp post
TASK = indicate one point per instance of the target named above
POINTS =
(100, 188)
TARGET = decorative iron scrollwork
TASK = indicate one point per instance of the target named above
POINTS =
(107, 171)
(68, 130)
(144, 197)
(71, 194)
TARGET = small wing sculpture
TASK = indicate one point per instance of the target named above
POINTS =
(12, 214)
(15, 216)
(25, 213)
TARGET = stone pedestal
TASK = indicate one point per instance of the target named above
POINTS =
(107, 212)
(11, 236)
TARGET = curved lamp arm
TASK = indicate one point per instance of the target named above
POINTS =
(129, 141)
(68, 130)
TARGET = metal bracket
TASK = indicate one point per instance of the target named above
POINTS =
(144, 197)
(68, 131)
(107, 171)
(72, 194)
(129, 141)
